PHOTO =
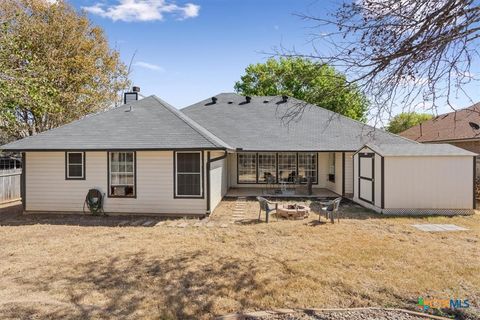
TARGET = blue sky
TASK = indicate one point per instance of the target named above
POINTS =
(190, 50)
(186, 59)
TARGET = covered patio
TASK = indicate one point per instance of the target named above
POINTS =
(298, 193)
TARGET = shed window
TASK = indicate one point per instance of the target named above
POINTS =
(75, 165)
(122, 174)
(188, 174)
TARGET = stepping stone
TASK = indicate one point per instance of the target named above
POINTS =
(438, 227)
(160, 223)
(182, 225)
(210, 224)
(198, 224)
(224, 225)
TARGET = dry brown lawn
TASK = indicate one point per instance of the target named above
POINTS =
(54, 270)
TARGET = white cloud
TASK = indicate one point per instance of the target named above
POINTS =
(150, 66)
(143, 10)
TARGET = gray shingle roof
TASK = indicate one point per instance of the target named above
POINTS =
(152, 124)
(258, 125)
(419, 150)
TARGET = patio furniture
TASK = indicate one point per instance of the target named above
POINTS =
(293, 211)
(331, 208)
(266, 206)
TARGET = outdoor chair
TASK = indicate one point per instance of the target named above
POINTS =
(331, 209)
(266, 206)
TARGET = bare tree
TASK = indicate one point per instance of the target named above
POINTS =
(413, 53)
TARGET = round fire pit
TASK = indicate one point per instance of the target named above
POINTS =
(293, 211)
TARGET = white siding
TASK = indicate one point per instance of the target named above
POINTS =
(218, 180)
(428, 182)
(47, 189)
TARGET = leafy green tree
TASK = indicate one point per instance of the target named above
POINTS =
(55, 67)
(318, 84)
(405, 120)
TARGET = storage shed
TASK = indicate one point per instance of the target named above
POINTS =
(415, 179)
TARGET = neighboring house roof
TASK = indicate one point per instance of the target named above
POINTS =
(447, 127)
(258, 125)
(418, 150)
(151, 124)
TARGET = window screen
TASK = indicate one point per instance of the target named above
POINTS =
(122, 174)
(75, 165)
(189, 174)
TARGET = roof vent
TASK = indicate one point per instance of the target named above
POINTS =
(248, 99)
(265, 101)
(284, 99)
(474, 125)
(230, 102)
(214, 100)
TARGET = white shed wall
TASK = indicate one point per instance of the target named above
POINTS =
(429, 182)
(47, 189)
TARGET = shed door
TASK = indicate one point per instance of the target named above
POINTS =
(366, 177)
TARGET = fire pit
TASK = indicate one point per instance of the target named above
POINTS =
(293, 211)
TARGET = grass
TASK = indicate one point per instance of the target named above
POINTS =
(50, 270)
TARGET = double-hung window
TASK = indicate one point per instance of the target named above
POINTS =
(188, 174)
(122, 174)
(75, 165)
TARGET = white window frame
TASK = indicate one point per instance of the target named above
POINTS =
(200, 195)
(68, 164)
(110, 172)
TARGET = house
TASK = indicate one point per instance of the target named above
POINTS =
(460, 128)
(150, 158)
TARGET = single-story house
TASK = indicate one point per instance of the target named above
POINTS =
(150, 158)
(460, 128)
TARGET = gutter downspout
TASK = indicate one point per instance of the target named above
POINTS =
(209, 161)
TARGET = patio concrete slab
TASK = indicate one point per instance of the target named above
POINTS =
(438, 227)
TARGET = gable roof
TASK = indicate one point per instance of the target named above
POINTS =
(150, 123)
(449, 126)
(258, 125)
(417, 150)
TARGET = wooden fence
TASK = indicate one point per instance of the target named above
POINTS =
(10, 185)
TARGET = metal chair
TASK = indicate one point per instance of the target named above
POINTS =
(265, 206)
(331, 208)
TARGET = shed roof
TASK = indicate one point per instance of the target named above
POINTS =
(457, 125)
(418, 150)
(260, 125)
(150, 123)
